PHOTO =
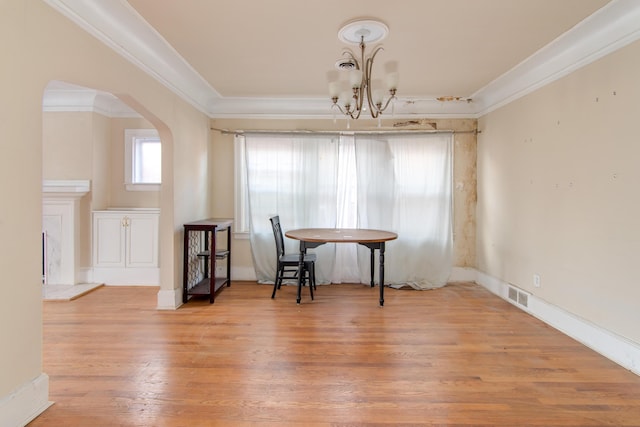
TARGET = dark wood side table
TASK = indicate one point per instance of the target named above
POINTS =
(201, 250)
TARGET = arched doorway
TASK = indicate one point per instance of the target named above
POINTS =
(83, 168)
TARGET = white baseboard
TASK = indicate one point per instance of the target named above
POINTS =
(618, 349)
(169, 299)
(127, 276)
(24, 404)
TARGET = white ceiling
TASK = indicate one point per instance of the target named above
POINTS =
(251, 58)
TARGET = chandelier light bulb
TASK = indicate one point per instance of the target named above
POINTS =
(378, 97)
(392, 80)
(355, 78)
(334, 89)
(345, 99)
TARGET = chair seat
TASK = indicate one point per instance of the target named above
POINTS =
(291, 259)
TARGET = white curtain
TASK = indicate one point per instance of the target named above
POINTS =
(295, 177)
(405, 185)
(399, 182)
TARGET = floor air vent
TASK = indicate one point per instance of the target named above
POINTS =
(513, 294)
(518, 296)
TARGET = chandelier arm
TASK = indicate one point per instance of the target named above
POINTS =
(350, 111)
(357, 109)
(391, 98)
(369, 93)
(372, 107)
(375, 52)
(347, 111)
(350, 54)
(342, 111)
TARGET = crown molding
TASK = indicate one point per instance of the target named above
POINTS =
(121, 28)
(61, 97)
(118, 25)
(612, 27)
(320, 108)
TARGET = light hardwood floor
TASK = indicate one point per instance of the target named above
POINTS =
(456, 356)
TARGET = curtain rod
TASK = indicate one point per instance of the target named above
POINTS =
(322, 132)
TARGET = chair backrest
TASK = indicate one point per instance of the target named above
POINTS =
(277, 234)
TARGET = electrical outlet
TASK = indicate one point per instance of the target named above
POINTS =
(536, 280)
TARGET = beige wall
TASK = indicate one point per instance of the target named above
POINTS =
(20, 185)
(222, 169)
(67, 145)
(191, 196)
(558, 175)
(38, 45)
(101, 170)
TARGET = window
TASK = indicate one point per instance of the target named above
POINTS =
(142, 160)
(392, 181)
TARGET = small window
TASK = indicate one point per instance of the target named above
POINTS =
(142, 160)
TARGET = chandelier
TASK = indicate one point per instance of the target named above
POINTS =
(351, 102)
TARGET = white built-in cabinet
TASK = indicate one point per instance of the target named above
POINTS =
(125, 247)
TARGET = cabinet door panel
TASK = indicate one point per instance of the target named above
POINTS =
(142, 241)
(109, 247)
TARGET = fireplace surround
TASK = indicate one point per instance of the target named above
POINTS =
(60, 228)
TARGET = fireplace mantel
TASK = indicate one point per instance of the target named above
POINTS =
(65, 188)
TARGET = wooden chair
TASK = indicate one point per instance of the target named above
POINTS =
(288, 263)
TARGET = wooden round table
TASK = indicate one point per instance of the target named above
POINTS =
(314, 237)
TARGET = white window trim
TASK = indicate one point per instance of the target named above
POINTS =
(129, 136)
(142, 187)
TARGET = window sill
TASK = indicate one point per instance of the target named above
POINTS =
(142, 187)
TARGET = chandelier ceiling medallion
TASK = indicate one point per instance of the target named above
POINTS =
(351, 102)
